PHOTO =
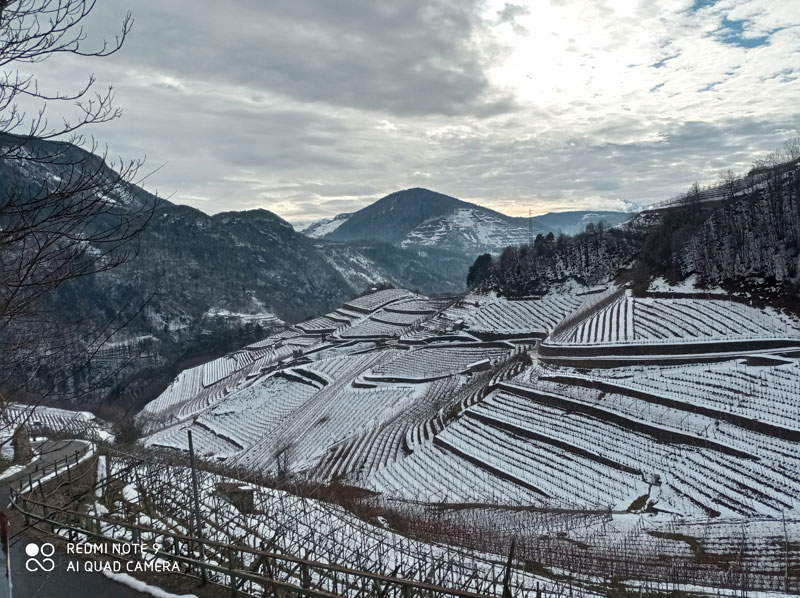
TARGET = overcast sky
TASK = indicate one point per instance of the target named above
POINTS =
(310, 108)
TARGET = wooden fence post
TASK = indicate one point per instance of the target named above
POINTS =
(197, 515)
(231, 568)
(507, 579)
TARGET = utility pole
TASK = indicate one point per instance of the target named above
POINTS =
(198, 519)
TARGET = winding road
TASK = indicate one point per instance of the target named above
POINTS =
(58, 583)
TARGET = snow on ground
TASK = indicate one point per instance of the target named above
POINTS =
(262, 317)
(140, 586)
(643, 320)
(688, 285)
(320, 228)
(315, 530)
(467, 227)
(436, 414)
(11, 470)
(40, 420)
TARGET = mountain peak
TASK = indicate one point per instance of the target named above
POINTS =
(419, 217)
(392, 217)
(253, 216)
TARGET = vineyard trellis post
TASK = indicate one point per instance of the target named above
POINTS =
(507, 579)
(5, 549)
(786, 544)
(197, 515)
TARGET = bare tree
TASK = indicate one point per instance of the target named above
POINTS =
(730, 182)
(65, 212)
(791, 148)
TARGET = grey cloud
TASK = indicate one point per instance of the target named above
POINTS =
(594, 172)
(510, 13)
(413, 57)
(314, 108)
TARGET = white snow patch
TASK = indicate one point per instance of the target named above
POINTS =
(13, 470)
(143, 587)
(660, 285)
(101, 476)
(319, 229)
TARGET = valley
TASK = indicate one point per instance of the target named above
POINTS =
(399, 299)
(591, 418)
(412, 402)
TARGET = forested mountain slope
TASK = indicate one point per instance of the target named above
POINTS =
(741, 234)
(193, 286)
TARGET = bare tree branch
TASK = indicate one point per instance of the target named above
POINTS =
(66, 212)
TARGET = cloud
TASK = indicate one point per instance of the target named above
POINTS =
(509, 15)
(314, 108)
(414, 57)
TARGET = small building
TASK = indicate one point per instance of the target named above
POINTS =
(239, 495)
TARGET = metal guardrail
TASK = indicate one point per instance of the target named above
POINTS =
(63, 466)
(331, 580)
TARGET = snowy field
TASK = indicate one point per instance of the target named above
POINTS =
(40, 420)
(428, 403)
(650, 320)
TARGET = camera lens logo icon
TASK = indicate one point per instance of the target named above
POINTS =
(40, 557)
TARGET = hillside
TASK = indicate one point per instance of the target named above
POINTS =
(622, 402)
(364, 263)
(196, 285)
(199, 285)
(630, 417)
(419, 218)
(755, 238)
(741, 236)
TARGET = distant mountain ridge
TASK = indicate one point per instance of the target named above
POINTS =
(191, 267)
(320, 228)
(420, 218)
(252, 265)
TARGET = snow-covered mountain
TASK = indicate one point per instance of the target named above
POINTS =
(468, 229)
(320, 228)
(420, 218)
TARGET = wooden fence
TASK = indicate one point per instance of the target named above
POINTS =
(254, 572)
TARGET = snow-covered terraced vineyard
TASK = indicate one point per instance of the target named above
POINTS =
(645, 319)
(430, 363)
(495, 315)
(756, 392)
(158, 496)
(446, 402)
(49, 420)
